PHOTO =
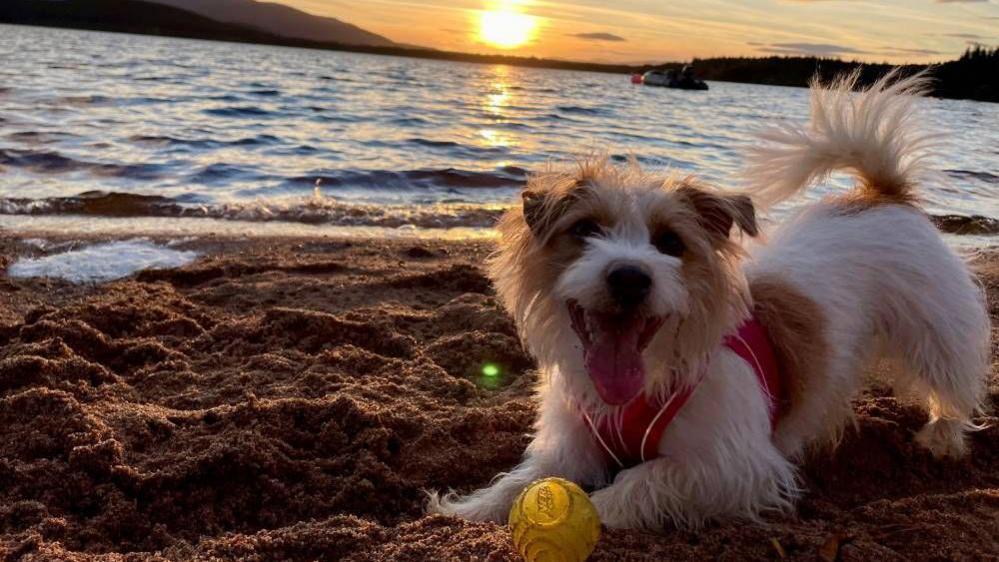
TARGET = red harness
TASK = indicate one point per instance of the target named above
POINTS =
(636, 439)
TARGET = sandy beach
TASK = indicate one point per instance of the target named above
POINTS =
(289, 399)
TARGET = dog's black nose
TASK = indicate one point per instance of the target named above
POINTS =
(629, 285)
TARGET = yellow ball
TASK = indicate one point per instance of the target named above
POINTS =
(552, 520)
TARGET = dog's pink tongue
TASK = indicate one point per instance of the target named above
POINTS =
(614, 361)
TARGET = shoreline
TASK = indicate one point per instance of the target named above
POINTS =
(83, 226)
(289, 398)
(960, 231)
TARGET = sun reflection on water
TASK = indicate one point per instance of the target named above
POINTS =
(496, 103)
(495, 138)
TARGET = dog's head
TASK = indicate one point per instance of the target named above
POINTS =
(621, 281)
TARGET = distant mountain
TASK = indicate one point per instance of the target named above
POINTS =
(281, 20)
(126, 16)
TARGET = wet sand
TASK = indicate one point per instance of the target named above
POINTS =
(289, 399)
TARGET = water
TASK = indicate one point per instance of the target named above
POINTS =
(110, 125)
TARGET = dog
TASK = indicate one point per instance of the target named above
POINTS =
(638, 295)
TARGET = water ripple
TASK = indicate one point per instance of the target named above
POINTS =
(244, 111)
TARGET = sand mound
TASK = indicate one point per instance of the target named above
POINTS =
(290, 401)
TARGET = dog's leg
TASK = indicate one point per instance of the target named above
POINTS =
(737, 479)
(943, 340)
(562, 446)
(949, 375)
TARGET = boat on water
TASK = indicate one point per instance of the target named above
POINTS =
(683, 80)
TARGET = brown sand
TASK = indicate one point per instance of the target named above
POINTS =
(288, 400)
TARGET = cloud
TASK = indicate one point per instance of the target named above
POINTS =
(831, 50)
(959, 1)
(901, 51)
(964, 35)
(815, 49)
(597, 36)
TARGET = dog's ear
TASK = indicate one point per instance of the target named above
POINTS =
(543, 208)
(534, 202)
(717, 212)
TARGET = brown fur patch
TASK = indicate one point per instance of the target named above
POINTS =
(719, 211)
(542, 208)
(797, 330)
(867, 196)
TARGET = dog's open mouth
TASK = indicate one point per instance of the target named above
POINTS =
(612, 350)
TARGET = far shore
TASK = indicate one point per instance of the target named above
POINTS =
(969, 77)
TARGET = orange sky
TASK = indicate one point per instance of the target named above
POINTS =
(656, 30)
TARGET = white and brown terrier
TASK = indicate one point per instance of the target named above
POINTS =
(683, 375)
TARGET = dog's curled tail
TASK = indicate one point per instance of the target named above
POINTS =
(873, 133)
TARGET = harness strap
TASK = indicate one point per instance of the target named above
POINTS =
(752, 343)
(632, 447)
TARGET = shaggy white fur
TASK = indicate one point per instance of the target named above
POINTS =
(872, 265)
(876, 135)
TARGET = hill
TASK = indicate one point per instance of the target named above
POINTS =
(278, 19)
(126, 16)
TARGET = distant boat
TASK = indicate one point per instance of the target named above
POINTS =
(672, 79)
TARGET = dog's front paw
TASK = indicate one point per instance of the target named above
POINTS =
(474, 507)
(614, 514)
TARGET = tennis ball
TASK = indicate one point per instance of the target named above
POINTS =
(552, 520)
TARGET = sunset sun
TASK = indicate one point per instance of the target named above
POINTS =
(506, 28)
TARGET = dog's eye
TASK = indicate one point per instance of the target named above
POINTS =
(669, 243)
(584, 228)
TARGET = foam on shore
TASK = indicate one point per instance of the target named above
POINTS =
(102, 262)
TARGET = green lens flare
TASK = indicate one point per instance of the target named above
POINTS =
(491, 370)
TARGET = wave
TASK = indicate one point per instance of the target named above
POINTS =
(433, 143)
(450, 148)
(317, 210)
(580, 110)
(503, 177)
(204, 143)
(40, 137)
(84, 100)
(409, 122)
(220, 173)
(324, 210)
(975, 225)
(106, 101)
(95, 203)
(972, 174)
(52, 162)
(242, 111)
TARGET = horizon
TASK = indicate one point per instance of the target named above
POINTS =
(644, 31)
